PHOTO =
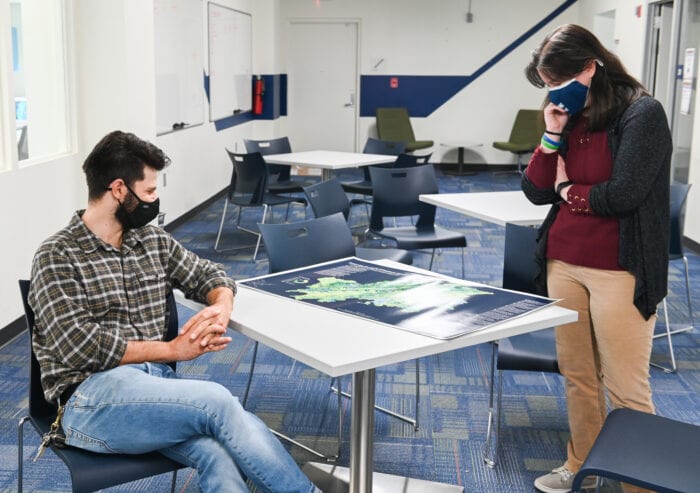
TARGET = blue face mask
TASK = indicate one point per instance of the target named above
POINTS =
(571, 96)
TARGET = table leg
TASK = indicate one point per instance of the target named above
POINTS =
(460, 164)
(360, 478)
(361, 432)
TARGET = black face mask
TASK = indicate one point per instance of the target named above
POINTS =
(142, 214)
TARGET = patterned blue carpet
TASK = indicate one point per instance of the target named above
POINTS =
(295, 399)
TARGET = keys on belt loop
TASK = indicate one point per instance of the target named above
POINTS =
(52, 437)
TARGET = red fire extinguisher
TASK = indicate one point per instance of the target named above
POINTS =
(258, 91)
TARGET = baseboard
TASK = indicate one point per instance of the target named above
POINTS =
(12, 330)
(474, 167)
(691, 245)
(179, 221)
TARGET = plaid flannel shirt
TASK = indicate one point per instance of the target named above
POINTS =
(90, 298)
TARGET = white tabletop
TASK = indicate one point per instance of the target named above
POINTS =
(494, 207)
(464, 144)
(328, 159)
(339, 344)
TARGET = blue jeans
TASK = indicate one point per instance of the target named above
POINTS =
(140, 408)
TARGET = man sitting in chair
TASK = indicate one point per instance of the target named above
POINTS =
(99, 290)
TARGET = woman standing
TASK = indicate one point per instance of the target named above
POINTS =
(604, 164)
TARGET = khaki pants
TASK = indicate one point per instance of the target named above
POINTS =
(607, 349)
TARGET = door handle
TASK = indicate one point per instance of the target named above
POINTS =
(351, 103)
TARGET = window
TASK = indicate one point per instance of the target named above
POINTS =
(37, 81)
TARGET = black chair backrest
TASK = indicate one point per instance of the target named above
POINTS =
(388, 147)
(280, 145)
(378, 146)
(407, 160)
(303, 243)
(39, 407)
(519, 266)
(249, 177)
(396, 191)
(328, 197)
(679, 192)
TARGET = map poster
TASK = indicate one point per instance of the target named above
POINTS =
(434, 306)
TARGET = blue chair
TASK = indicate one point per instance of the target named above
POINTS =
(373, 146)
(304, 243)
(396, 192)
(327, 198)
(89, 471)
(283, 182)
(248, 188)
(404, 160)
(645, 450)
(535, 351)
(679, 194)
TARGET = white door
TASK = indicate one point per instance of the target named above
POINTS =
(322, 85)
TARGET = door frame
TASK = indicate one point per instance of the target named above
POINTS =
(358, 42)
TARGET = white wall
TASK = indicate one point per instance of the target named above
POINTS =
(415, 37)
(114, 81)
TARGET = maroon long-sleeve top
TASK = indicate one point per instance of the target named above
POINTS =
(578, 236)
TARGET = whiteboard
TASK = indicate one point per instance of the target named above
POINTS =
(179, 63)
(230, 67)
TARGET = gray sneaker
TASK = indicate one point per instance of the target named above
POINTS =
(560, 481)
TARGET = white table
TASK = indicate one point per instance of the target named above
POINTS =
(337, 344)
(328, 161)
(460, 152)
(495, 207)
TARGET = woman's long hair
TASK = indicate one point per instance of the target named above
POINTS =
(566, 52)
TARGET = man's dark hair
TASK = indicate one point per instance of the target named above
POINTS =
(120, 155)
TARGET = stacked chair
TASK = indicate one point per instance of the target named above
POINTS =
(248, 188)
(679, 194)
(535, 351)
(396, 194)
(280, 180)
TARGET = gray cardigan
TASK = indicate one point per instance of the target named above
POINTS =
(637, 194)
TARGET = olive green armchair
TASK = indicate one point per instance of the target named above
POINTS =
(393, 124)
(525, 135)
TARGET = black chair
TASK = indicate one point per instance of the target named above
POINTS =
(679, 194)
(645, 450)
(404, 160)
(373, 146)
(248, 188)
(89, 471)
(396, 192)
(535, 351)
(327, 198)
(326, 238)
(283, 183)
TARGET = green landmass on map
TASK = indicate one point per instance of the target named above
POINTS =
(408, 293)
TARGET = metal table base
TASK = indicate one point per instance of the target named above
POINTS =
(359, 478)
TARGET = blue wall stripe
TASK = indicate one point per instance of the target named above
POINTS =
(423, 94)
